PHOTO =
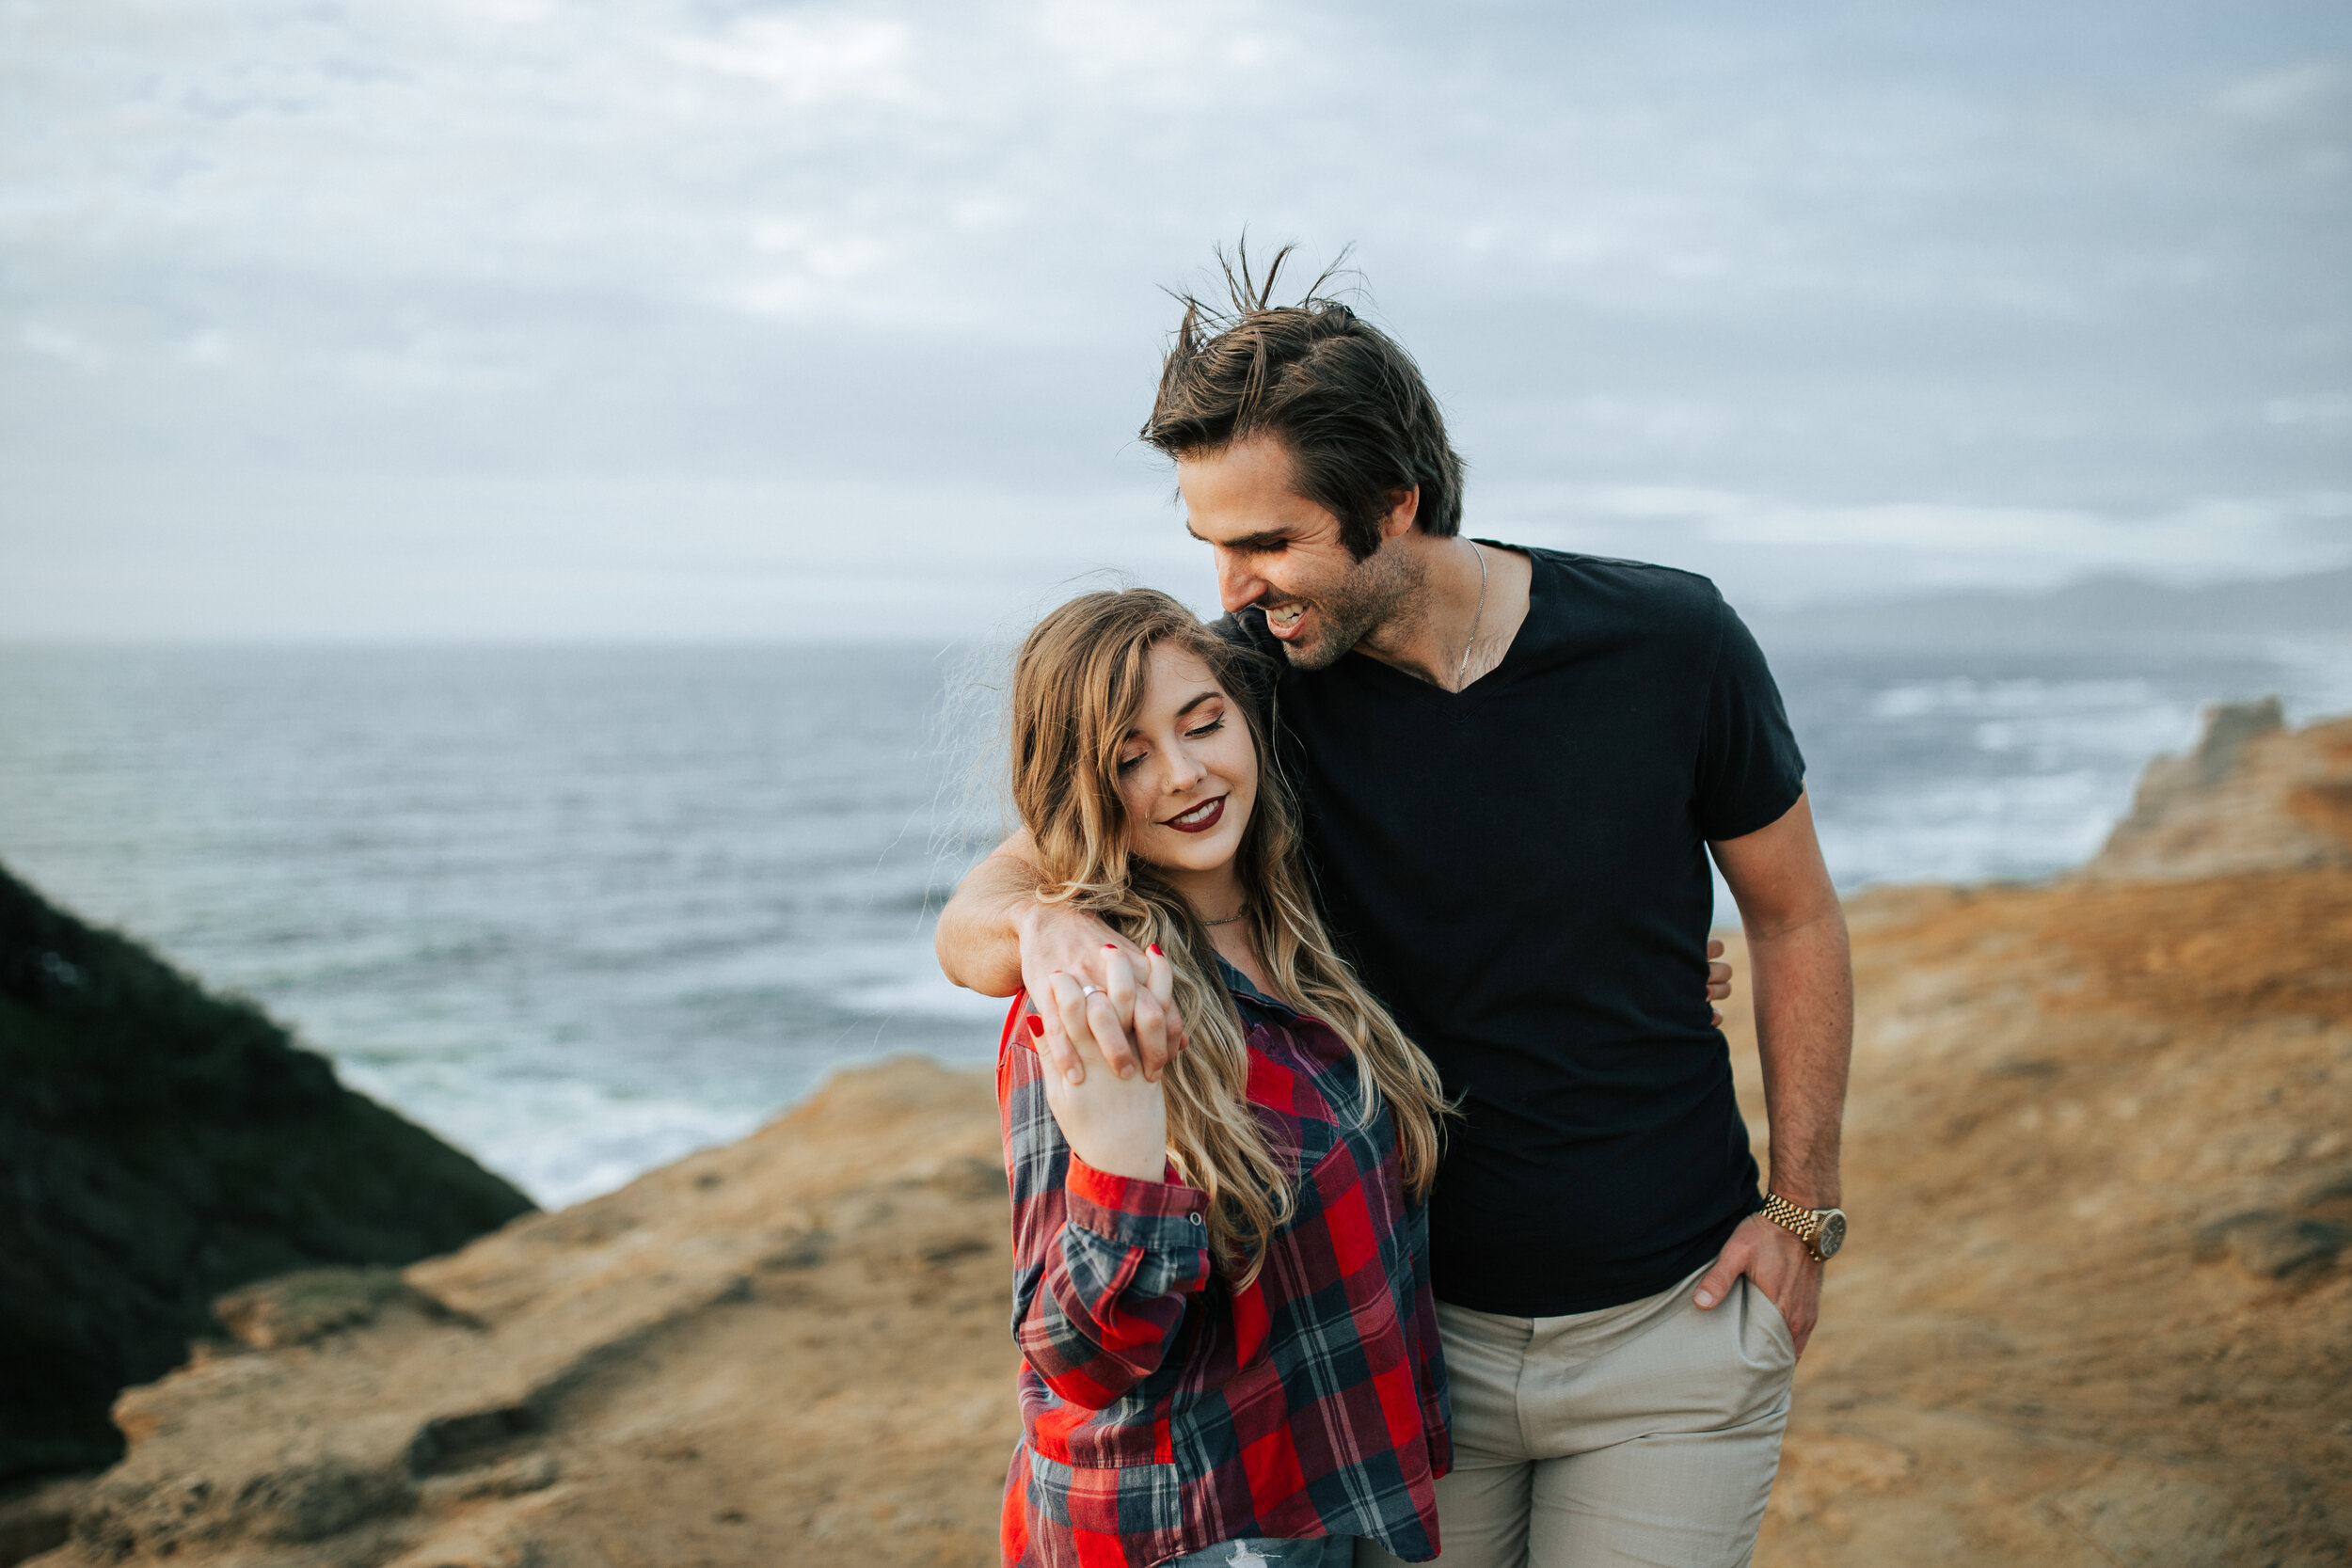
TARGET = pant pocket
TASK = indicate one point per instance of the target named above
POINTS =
(1765, 1332)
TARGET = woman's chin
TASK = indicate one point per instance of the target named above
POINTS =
(1192, 856)
(1191, 866)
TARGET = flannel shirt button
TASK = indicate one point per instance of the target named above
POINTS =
(1195, 1218)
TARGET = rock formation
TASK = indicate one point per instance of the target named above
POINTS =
(158, 1146)
(2096, 1309)
(2251, 797)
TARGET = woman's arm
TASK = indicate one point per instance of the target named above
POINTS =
(1103, 1263)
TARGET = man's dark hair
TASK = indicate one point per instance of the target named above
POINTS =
(1343, 397)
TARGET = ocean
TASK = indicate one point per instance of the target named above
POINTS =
(581, 910)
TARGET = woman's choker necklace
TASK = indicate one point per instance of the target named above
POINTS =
(1229, 919)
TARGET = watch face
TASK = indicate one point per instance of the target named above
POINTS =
(1833, 1234)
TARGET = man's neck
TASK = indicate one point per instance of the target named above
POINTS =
(1462, 606)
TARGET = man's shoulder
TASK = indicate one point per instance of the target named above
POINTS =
(1635, 578)
(1659, 598)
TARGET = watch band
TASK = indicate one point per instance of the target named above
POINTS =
(1803, 1223)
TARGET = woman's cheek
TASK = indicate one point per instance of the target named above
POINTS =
(1137, 800)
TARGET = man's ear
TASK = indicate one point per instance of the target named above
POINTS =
(1403, 506)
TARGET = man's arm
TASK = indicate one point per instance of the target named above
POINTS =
(978, 943)
(1803, 987)
(995, 937)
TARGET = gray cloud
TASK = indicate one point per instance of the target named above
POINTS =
(677, 319)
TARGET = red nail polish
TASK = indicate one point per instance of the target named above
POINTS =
(1037, 1025)
(1110, 947)
(1155, 950)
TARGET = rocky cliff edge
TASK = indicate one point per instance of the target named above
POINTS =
(2095, 1311)
(160, 1144)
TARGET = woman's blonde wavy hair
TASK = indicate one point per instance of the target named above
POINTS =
(1078, 683)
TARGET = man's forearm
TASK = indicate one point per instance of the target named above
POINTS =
(979, 940)
(1803, 981)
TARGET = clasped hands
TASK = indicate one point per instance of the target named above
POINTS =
(1114, 1115)
(1127, 1025)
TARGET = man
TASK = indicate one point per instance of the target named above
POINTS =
(1513, 764)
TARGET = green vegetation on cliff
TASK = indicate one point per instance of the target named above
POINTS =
(159, 1145)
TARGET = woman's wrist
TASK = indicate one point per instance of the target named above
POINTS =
(1133, 1145)
(1117, 1126)
(1135, 1164)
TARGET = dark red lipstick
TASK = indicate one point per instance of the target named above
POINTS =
(1198, 819)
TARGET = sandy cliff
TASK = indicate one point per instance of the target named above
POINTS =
(2095, 1311)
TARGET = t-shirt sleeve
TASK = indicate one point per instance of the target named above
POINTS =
(1750, 771)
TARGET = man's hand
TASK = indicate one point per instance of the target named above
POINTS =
(1135, 1028)
(1718, 978)
(1782, 1266)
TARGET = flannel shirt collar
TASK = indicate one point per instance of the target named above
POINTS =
(1249, 996)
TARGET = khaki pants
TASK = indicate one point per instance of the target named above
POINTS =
(1644, 1434)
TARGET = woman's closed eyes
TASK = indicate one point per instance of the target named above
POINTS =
(1204, 732)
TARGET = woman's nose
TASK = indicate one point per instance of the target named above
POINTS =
(1182, 773)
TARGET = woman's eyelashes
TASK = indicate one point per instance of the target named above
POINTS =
(1127, 763)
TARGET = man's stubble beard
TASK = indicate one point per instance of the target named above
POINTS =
(1380, 589)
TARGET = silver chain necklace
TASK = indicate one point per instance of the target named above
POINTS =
(1229, 919)
(1463, 669)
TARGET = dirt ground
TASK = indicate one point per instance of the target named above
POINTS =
(2099, 1164)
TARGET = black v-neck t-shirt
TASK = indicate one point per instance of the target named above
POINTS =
(1520, 871)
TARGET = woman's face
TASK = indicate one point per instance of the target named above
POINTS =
(1187, 769)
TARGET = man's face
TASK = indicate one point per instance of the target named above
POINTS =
(1280, 551)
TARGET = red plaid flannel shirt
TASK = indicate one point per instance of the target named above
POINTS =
(1163, 1411)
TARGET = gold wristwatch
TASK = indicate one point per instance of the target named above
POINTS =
(1822, 1230)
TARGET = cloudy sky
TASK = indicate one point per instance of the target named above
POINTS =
(713, 318)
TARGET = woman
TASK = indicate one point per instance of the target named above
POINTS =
(1222, 1302)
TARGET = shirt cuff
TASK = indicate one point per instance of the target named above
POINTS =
(1163, 1216)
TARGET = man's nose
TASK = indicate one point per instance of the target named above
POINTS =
(1236, 584)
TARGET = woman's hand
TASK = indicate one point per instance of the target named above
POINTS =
(1144, 1031)
(1718, 978)
(1118, 1124)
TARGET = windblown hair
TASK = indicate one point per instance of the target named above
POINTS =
(1078, 683)
(1349, 402)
